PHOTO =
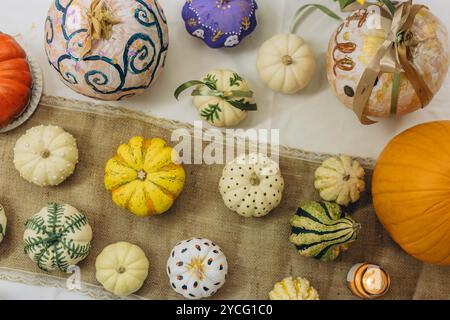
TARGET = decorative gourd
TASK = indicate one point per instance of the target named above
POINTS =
(322, 230)
(3, 223)
(46, 155)
(355, 43)
(286, 63)
(57, 237)
(222, 98)
(410, 191)
(197, 268)
(107, 49)
(340, 179)
(220, 23)
(121, 268)
(293, 289)
(252, 185)
(15, 80)
(143, 177)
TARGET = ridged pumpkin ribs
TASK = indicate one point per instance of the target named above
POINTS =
(143, 177)
(15, 80)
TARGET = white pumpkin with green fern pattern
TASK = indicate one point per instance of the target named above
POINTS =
(57, 237)
(222, 97)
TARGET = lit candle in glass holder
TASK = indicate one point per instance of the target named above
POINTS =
(368, 281)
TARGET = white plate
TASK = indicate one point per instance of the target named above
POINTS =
(36, 93)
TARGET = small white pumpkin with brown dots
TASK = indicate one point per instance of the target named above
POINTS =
(252, 185)
(46, 155)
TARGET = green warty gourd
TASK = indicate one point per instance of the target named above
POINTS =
(322, 230)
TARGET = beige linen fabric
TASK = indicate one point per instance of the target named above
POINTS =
(258, 251)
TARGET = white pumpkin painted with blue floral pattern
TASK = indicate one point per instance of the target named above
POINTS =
(107, 49)
(197, 268)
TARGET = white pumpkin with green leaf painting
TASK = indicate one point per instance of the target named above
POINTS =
(222, 97)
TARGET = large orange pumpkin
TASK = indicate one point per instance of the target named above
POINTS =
(411, 191)
(15, 80)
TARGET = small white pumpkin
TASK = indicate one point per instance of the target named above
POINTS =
(197, 268)
(340, 179)
(121, 268)
(57, 237)
(293, 289)
(3, 223)
(222, 97)
(46, 155)
(252, 185)
(286, 63)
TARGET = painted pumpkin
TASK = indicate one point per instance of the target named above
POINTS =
(197, 268)
(252, 185)
(222, 97)
(293, 289)
(15, 80)
(3, 223)
(46, 155)
(410, 191)
(355, 43)
(286, 63)
(107, 50)
(220, 23)
(143, 176)
(121, 268)
(57, 237)
(322, 230)
(340, 179)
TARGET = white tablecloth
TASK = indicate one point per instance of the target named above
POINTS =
(313, 119)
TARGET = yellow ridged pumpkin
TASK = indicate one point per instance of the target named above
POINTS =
(411, 191)
(143, 176)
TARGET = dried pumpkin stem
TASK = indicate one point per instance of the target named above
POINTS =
(287, 60)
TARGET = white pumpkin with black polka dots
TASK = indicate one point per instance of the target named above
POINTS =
(252, 185)
(3, 222)
(197, 268)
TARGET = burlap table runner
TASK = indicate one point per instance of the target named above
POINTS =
(258, 251)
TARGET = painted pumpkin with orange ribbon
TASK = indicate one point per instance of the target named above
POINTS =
(411, 191)
(144, 176)
(15, 80)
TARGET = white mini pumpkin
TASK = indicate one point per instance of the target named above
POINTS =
(252, 185)
(121, 268)
(46, 155)
(222, 97)
(57, 237)
(293, 289)
(286, 63)
(340, 179)
(197, 268)
(3, 223)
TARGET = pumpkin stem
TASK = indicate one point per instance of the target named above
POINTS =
(45, 154)
(142, 175)
(121, 270)
(101, 22)
(287, 60)
(346, 178)
(254, 180)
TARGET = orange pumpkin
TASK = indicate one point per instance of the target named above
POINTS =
(15, 80)
(411, 191)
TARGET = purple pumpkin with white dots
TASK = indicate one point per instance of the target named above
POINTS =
(197, 268)
(220, 23)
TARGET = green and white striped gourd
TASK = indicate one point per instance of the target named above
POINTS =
(3, 222)
(57, 237)
(322, 230)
